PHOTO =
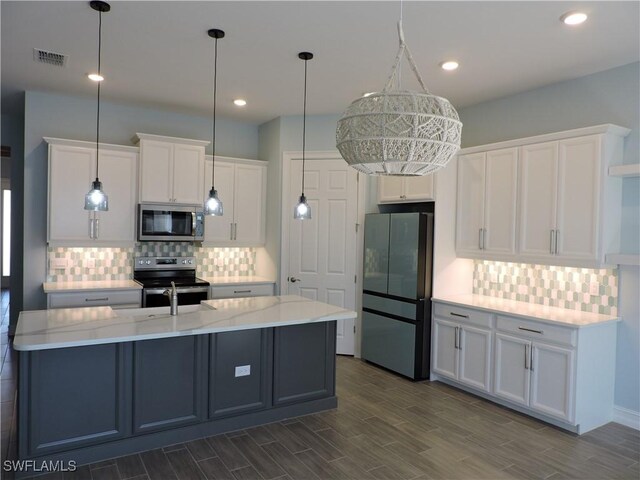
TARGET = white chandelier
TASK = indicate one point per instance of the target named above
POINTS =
(399, 132)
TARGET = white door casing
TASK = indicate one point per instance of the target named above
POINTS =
(322, 253)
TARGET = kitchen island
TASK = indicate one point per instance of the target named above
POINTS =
(96, 383)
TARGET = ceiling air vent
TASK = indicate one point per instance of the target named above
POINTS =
(50, 58)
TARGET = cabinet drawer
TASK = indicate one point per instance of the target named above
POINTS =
(95, 299)
(537, 331)
(247, 290)
(463, 315)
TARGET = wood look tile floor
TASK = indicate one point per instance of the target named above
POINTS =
(387, 427)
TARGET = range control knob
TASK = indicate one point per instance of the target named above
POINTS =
(190, 261)
(148, 262)
(140, 262)
(184, 262)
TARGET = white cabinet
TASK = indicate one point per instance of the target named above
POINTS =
(462, 352)
(171, 169)
(561, 373)
(114, 298)
(544, 199)
(398, 189)
(241, 186)
(536, 375)
(72, 168)
(486, 208)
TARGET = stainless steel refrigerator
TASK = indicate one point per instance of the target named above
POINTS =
(396, 319)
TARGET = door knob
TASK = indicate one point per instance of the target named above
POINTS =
(293, 279)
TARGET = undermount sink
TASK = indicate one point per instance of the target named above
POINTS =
(159, 311)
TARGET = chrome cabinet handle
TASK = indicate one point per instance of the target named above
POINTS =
(90, 226)
(552, 237)
(531, 359)
(480, 239)
(459, 338)
(526, 357)
(293, 279)
(531, 330)
(557, 237)
(235, 231)
(231, 231)
(455, 339)
(242, 291)
(105, 299)
(96, 228)
(459, 315)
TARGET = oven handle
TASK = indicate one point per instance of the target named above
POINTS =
(160, 291)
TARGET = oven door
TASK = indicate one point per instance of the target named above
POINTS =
(155, 297)
(167, 223)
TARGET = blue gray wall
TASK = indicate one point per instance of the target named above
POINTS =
(51, 115)
(611, 96)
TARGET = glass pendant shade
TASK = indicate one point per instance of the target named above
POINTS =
(213, 205)
(96, 199)
(302, 211)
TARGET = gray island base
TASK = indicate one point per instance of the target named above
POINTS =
(104, 400)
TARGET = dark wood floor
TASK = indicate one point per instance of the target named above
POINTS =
(389, 428)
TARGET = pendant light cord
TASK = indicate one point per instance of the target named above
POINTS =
(304, 122)
(215, 82)
(98, 109)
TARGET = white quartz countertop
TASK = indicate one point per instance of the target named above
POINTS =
(241, 280)
(90, 285)
(73, 327)
(541, 313)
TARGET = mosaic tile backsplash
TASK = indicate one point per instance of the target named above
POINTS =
(563, 287)
(117, 263)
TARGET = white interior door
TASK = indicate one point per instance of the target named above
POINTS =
(322, 251)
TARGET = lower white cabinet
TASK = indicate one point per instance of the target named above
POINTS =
(561, 373)
(96, 298)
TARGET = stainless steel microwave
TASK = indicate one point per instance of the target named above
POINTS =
(170, 223)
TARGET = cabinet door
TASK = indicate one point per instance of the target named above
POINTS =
(552, 380)
(239, 369)
(418, 189)
(218, 229)
(376, 252)
(390, 189)
(249, 201)
(118, 173)
(71, 171)
(75, 397)
(578, 198)
(168, 382)
(156, 170)
(500, 201)
(470, 208)
(512, 377)
(188, 170)
(538, 194)
(475, 357)
(445, 353)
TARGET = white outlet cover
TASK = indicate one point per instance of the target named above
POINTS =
(243, 370)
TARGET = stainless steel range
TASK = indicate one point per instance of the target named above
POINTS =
(156, 274)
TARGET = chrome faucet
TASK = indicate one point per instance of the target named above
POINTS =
(173, 298)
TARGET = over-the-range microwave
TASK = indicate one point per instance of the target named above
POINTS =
(170, 223)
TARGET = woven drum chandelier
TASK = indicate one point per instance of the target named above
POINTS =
(399, 132)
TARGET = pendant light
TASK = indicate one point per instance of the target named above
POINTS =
(302, 211)
(96, 199)
(213, 205)
(396, 131)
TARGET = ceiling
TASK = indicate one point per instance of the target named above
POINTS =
(158, 53)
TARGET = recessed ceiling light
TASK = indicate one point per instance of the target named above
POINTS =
(95, 77)
(449, 65)
(573, 18)
(239, 102)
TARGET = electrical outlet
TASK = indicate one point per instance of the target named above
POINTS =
(594, 288)
(243, 370)
(91, 263)
(59, 263)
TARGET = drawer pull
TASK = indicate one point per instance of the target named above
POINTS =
(242, 291)
(459, 315)
(531, 330)
(105, 299)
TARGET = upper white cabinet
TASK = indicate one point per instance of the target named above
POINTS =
(241, 186)
(171, 169)
(72, 168)
(543, 199)
(486, 216)
(397, 189)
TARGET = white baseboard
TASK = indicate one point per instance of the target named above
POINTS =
(626, 417)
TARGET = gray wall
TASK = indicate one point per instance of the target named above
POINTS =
(74, 117)
(612, 96)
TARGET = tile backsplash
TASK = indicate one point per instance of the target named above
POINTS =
(84, 264)
(563, 287)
